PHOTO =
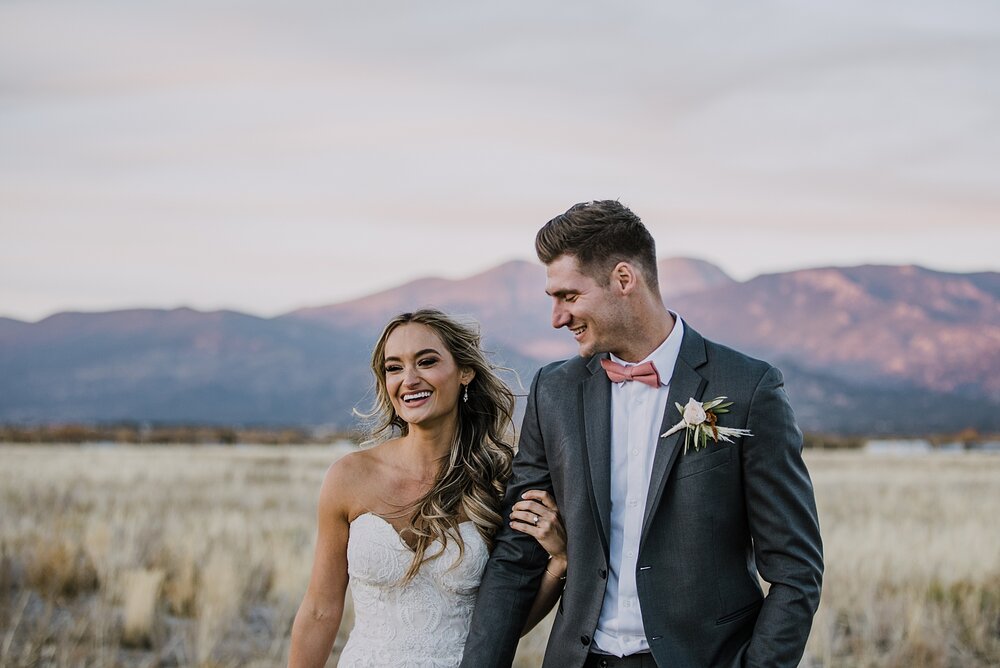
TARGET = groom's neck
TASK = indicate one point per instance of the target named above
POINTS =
(647, 332)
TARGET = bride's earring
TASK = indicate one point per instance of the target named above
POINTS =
(465, 397)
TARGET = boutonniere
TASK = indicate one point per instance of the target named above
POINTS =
(699, 420)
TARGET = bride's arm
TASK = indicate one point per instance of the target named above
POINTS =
(318, 618)
(548, 594)
(551, 535)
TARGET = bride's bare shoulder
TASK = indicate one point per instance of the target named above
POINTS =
(363, 464)
(350, 479)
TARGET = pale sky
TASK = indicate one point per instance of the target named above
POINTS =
(265, 156)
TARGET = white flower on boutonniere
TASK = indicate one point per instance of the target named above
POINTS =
(699, 420)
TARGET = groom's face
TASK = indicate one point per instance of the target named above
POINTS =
(591, 312)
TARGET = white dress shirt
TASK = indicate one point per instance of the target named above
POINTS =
(636, 417)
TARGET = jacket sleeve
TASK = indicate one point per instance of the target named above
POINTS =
(517, 561)
(784, 525)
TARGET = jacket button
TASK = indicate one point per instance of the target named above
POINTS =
(603, 573)
(585, 640)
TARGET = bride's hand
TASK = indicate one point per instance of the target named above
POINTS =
(537, 515)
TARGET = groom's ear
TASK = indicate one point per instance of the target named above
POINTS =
(624, 278)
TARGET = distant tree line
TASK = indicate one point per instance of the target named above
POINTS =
(822, 441)
(154, 434)
(127, 433)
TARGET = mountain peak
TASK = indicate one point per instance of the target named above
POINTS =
(683, 275)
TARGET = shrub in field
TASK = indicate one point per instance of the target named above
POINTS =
(180, 588)
(9, 571)
(58, 568)
(142, 591)
(219, 598)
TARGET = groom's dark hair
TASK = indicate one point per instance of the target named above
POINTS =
(599, 234)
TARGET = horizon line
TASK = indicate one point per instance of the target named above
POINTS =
(223, 308)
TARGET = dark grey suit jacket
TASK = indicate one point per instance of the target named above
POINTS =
(713, 519)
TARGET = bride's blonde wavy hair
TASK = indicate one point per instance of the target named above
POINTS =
(471, 483)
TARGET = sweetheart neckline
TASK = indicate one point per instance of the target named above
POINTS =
(393, 529)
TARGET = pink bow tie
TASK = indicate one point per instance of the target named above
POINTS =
(644, 373)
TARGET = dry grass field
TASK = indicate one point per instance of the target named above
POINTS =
(198, 556)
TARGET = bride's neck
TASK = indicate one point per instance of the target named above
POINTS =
(426, 447)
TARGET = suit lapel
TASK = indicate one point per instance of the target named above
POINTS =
(595, 407)
(685, 383)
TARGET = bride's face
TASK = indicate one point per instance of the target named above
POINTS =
(421, 376)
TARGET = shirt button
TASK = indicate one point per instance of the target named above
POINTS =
(635, 451)
(631, 553)
(632, 503)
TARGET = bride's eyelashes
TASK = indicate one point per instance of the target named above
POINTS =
(424, 363)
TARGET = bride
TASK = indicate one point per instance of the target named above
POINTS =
(410, 522)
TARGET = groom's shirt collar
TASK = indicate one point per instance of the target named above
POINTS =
(665, 356)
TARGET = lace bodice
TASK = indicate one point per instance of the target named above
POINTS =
(421, 624)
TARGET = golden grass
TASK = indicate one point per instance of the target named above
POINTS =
(141, 591)
(198, 556)
(913, 560)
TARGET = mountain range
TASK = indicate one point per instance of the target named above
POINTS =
(869, 349)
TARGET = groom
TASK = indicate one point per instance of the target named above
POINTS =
(664, 545)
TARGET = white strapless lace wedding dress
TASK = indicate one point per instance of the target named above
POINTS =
(421, 624)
